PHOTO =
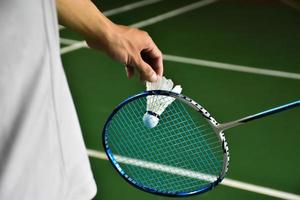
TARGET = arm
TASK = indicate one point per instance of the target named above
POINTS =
(132, 47)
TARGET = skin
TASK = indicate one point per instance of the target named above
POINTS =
(130, 46)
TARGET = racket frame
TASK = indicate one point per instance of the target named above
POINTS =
(197, 107)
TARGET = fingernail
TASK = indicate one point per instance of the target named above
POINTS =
(153, 77)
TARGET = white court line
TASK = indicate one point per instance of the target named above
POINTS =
(173, 13)
(260, 189)
(75, 46)
(165, 168)
(227, 182)
(125, 8)
(204, 63)
(67, 41)
(150, 21)
(129, 7)
(239, 68)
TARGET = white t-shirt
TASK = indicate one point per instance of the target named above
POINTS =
(42, 153)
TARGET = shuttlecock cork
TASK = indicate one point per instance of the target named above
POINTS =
(156, 104)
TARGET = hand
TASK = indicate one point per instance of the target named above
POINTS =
(132, 47)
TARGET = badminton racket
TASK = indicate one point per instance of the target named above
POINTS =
(185, 154)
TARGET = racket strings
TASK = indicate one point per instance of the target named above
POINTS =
(179, 140)
(201, 132)
(181, 144)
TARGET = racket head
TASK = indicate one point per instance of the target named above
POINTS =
(136, 162)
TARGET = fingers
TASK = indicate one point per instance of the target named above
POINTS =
(136, 49)
(151, 62)
(153, 56)
(146, 71)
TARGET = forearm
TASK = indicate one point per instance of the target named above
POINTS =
(83, 16)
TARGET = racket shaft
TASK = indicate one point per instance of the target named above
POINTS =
(259, 115)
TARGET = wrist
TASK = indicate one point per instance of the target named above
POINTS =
(100, 34)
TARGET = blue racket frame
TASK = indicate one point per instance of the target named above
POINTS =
(193, 104)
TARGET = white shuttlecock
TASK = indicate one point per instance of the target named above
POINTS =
(156, 104)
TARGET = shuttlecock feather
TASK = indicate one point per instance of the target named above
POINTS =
(156, 104)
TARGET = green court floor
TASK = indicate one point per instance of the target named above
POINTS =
(263, 34)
